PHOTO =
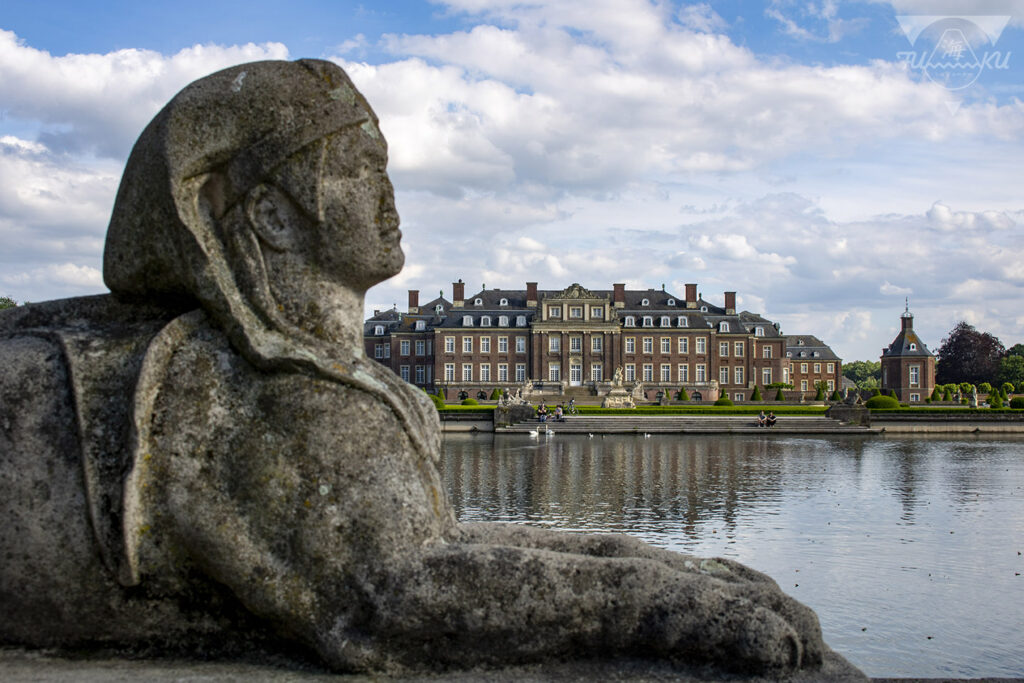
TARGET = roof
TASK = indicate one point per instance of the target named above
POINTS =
(808, 346)
(908, 344)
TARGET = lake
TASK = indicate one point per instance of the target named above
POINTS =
(909, 549)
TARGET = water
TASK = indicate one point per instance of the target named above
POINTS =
(909, 549)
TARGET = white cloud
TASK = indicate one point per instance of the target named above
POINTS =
(67, 275)
(891, 289)
(945, 219)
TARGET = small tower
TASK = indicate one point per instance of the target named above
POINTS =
(907, 364)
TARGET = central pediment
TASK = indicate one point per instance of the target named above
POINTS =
(576, 291)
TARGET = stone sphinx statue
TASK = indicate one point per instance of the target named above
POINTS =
(204, 460)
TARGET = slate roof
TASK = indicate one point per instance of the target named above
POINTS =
(900, 346)
(808, 345)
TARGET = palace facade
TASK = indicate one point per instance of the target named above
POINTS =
(571, 341)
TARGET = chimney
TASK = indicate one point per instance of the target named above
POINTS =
(531, 294)
(414, 301)
(458, 294)
(691, 296)
(730, 303)
(619, 295)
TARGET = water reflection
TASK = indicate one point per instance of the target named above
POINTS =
(906, 547)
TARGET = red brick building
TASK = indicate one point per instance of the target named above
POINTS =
(908, 367)
(811, 362)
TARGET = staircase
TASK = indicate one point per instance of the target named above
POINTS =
(686, 424)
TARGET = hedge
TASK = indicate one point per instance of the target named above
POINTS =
(703, 410)
(724, 401)
(876, 402)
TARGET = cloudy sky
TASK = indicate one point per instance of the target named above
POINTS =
(825, 160)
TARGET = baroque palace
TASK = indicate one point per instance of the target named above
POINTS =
(571, 341)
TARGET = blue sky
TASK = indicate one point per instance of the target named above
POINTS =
(809, 155)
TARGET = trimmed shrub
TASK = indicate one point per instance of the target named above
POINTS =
(756, 396)
(984, 388)
(892, 393)
(724, 401)
(835, 397)
(470, 402)
(496, 394)
(965, 387)
(819, 395)
(1017, 403)
(936, 396)
(947, 395)
(682, 395)
(779, 396)
(995, 400)
(875, 391)
(882, 402)
(1007, 388)
(438, 401)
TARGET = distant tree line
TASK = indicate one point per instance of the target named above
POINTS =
(7, 302)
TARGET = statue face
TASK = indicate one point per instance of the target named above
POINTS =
(356, 237)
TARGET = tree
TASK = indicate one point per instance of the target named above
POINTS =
(820, 394)
(756, 396)
(1011, 370)
(865, 374)
(967, 355)
(683, 396)
(779, 395)
(1016, 350)
(7, 302)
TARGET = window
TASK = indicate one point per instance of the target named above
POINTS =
(817, 367)
(758, 331)
(403, 372)
(630, 321)
(766, 352)
(666, 344)
(576, 344)
(702, 343)
(666, 373)
(913, 346)
(645, 302)
(555, 372)
(520, 321)
(648, 372)
(803, 367)
(703, 309)
(554, 311)
(596, 372)
(738, 397)
(630, 374)
(467, 372)
(830, 368)
(520, 372)
(430, 371)
(404, 347)
(502, 372)
(723, 375)
(915, 398)
(420, 375)
(554, 342)
(485, 345)
(737, 375)
(503, 302)
(648, 344)
(666, 321)
(683, 321)
(576, 312)
(738, 349)
(630, 344)
(467, 321)
(421, 347)
(378, 330)
(766, 376)
(723, 326)
(701, 373)
(485, 372)
(648, 321)
(467, 345)
(803, 385)
(684, 372)
(671, 302)
(597, 312)
(502, 344)
(439, 309)
(831, 384)
(597, 343)
(520, 344)
(502, 321)
(723, 349)
(449, 372)
(915, 375)
(378, 350)
(684, 345)
(485, 321)
(478, 301)
(449, 344)
(421, 325)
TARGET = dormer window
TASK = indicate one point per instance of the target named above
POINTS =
(913, 346)
(467, 321)
(703, 309)
(799, 342)
(503, 302)
(478, 301)
(648, 321)
(803, 354)
(723, 326)
(815, 354)
(758, 331)
(683, 321)
(630, 321)
(671, 302)
(378, 330)
(666, 321)
(439, 309)
(421, 325)
(520, 321)
(645, 302)
(485, 321)
(502, 321)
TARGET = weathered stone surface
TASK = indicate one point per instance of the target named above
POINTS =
(205, 462)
